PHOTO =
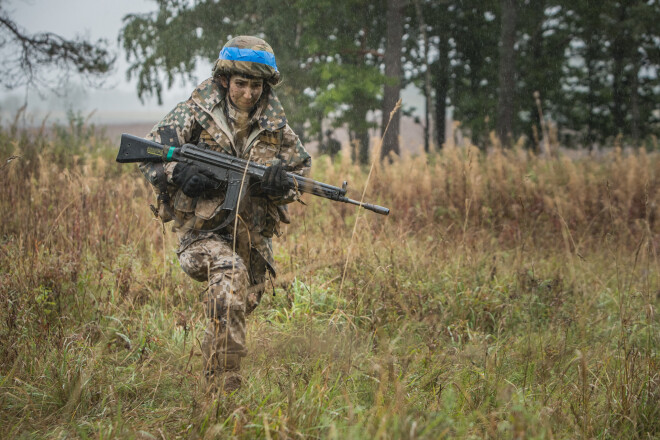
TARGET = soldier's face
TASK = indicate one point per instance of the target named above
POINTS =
(244, 92)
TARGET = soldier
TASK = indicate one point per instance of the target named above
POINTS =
(234, 112)
(332, 146)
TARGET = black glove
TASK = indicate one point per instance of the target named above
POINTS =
(275, 183)
(192, 179)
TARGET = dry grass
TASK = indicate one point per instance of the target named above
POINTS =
(505, 296)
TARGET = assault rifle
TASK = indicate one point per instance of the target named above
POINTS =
(228, 169)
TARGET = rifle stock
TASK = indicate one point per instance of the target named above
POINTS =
(228, 169)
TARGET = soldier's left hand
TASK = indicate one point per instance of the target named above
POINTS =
(193, 180)
(275, 182)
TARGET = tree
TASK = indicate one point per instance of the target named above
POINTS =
(430, 43)
(611, 83)
(507, 71)
(47, 59)
(346, 60)
(422, 50)
(329, 53)
(634, 39)
(587, 96)
(393, 75)
(474, 59)
(542, 43)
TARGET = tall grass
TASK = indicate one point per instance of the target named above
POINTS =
(506, 295)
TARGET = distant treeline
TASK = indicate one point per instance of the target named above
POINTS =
(594, 65)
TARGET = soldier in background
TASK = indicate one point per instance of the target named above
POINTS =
(331, 147)
(235, 112)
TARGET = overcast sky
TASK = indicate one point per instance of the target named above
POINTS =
(117, 101)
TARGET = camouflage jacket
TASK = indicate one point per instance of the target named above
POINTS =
(203, 118)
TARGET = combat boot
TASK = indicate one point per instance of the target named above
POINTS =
(225, 377)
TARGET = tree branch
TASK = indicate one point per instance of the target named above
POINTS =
(38, 58)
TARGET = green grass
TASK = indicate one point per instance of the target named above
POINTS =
(506, 296)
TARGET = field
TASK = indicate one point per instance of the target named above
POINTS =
(506, 296)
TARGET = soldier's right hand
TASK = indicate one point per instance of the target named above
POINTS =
(192, 179)
(275, 182)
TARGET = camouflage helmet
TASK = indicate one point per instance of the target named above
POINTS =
(249, 56)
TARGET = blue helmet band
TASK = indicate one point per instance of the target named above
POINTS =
(251, 55)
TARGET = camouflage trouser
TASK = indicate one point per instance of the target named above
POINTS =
(227, 300)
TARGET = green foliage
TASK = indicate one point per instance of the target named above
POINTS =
(594, 64)
(357, 90)
(319, 46)
(612, 81)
